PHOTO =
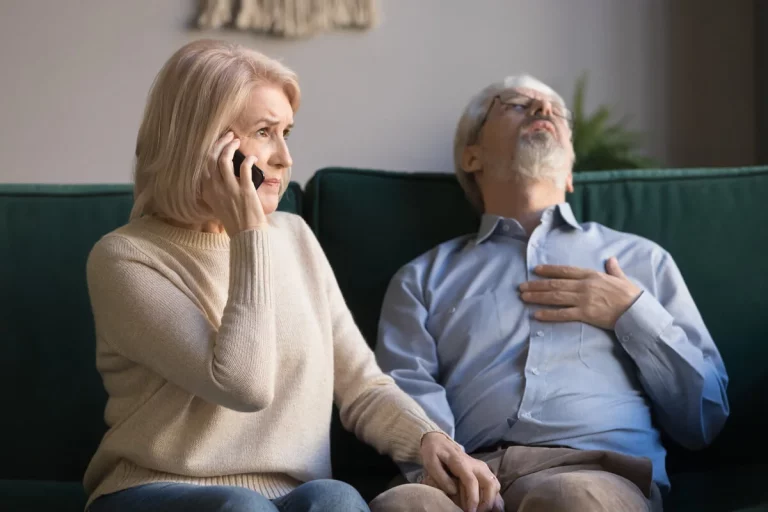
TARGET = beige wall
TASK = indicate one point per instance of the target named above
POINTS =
(74, 76)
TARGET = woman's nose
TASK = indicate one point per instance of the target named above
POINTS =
(282, 157)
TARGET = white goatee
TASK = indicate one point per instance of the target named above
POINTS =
(540, 156)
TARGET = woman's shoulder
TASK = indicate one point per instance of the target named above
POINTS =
(298, 231)
(290, 222)
(122, 244)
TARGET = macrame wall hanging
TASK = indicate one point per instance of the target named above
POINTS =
(287, 18)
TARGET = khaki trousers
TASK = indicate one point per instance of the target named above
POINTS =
(536, 479)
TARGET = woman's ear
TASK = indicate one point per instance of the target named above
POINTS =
(470, 159)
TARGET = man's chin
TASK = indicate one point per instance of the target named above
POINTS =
(538, 138)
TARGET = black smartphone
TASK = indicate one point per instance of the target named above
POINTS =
(257, 176)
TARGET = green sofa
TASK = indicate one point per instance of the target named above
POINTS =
(713, 221)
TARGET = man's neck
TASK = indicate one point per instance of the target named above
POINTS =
(521, 200)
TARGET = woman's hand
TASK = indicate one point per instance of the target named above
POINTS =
(234, 202)
(478, 488)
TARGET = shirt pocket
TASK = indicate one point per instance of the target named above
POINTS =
(469, 326)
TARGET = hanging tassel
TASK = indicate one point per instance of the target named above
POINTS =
(302, 18)
(215, 13)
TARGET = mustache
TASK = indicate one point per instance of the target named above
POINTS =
(538, 117)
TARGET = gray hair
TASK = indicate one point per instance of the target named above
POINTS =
(469, 126)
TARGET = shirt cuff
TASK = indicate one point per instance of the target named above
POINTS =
(643, 323)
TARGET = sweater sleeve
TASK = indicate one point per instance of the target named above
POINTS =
(142, 315)
(370, 403)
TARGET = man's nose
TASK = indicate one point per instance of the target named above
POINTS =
(541, 108)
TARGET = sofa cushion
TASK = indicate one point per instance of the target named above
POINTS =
(54, 401)
(713, 221)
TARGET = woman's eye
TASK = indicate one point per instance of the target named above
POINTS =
(520, 107)
(263, 133)
(286, 134)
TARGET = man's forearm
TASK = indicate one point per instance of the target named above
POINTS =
(687, 387)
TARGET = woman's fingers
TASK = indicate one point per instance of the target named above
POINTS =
(435, 470)
(489, 488)
(459, 466)
(212, 163)
(246, 171)
(498, 504)
(219, 145)
(226, 169)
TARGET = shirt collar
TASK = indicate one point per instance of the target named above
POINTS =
(489, 223)
(566, 213)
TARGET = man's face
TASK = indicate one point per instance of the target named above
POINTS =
(526, 133)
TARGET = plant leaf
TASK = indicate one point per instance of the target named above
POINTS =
(600, 144)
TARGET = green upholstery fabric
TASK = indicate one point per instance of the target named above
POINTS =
(713, 221)
(47, 333)
(370, 223)
(54, 400)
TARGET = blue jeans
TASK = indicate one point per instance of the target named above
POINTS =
(314, 496)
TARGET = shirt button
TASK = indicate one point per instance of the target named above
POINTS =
(535, 371)
(506, 227)
(453, 310)
(625, 338)
(539, 333)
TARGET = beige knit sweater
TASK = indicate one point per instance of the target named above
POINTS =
(222, 359)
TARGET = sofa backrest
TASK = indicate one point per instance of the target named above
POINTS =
(54, 399)
(713, 221)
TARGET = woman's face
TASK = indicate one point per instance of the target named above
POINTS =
(263, 128)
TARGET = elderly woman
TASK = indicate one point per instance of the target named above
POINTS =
(222, 337)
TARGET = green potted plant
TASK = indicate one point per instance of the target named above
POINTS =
(601, 144)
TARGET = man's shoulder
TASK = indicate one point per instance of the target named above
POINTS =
(608, 236)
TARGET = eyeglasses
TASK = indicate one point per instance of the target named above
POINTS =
(522, 103)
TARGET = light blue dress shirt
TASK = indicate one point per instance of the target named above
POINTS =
(455, 335)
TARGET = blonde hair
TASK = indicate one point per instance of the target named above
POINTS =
(469, 126)
(195, 97)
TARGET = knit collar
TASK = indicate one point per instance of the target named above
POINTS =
(185, 237)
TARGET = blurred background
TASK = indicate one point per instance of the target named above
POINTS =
(74, 76)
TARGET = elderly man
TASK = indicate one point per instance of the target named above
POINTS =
(550, 349)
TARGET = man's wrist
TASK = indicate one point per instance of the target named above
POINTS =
(631, 301)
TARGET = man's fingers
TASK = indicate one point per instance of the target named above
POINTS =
(613, 268)
(558, 298)
(546, 285)
(435, 470)
(559, 315)
(563, 272)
